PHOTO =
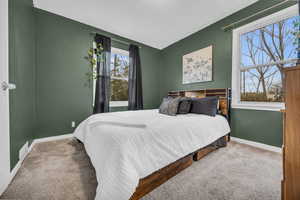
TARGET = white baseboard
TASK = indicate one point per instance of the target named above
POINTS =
(48, 139)
(16, 169)
(257, 145)
(22, 155)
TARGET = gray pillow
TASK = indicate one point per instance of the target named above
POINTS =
(184, 106)
(206, 106)
(169, 106)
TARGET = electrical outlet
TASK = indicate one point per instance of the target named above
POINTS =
(73, 124)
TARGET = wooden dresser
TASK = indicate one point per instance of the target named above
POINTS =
(291, 137)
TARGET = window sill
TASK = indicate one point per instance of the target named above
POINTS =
(259, 106)
(118, 104)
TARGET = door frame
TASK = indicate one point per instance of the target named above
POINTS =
(4, 97)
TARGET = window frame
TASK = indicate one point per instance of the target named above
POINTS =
(236, 56)
(119, 103)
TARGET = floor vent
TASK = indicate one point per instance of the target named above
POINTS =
(23, 151)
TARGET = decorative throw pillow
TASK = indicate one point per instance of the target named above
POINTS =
(184, 106)
(169, 106)
(206, 106)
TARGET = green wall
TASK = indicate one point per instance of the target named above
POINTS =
(62, 96)
(47, 64)
(260, 126)
(22, 73)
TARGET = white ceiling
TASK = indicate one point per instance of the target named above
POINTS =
(157, 23)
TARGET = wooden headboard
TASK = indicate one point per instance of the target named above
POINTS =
(223, 94)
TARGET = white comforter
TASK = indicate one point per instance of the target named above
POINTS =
(127, 146)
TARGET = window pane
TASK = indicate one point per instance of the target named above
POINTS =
(262, 85)
(119, 77)
(272, 43)
(265, 53)
(119, 90)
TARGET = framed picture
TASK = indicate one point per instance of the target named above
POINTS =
(197, 66)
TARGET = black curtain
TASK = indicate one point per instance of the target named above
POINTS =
(135, 92)
(102, 93)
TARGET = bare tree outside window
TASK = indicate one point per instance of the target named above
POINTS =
(119, 76)
(265, 52)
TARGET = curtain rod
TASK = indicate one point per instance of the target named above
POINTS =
(116, 40)
(253, 15)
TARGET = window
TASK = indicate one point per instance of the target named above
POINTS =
(119, 77)
(119, 70)
(261, 50)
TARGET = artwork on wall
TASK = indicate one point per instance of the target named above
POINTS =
(197, 66)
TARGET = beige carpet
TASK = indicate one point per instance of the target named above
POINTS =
(61, 170)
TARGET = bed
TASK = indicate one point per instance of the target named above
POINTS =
(134, 152)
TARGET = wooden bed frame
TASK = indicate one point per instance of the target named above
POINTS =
(154, 180)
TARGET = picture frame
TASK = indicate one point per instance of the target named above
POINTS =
(197, 66)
